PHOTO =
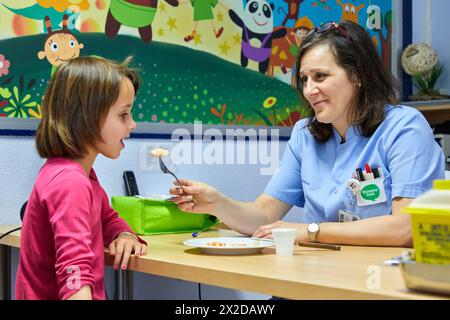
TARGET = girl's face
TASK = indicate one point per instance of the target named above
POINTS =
(119, 122)
(327, 87)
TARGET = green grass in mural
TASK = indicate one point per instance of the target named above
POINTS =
(179, 85)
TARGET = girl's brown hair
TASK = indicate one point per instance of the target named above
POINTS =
(76, 103)
(355, 52)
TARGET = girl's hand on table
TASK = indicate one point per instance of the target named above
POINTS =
(123, 246)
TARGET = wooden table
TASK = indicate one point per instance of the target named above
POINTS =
(352, 273)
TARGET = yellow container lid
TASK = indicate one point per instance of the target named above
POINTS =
(441, 185)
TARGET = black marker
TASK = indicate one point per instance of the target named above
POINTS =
(359, 174)
(376, 175)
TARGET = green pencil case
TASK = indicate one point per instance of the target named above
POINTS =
(147, 216)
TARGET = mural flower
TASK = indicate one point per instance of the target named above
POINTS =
(63, 5)
(36, 114)
(5, 93)
(269, 102)
(4, 65)
(20, 102)
(220, 113)
(18, 105)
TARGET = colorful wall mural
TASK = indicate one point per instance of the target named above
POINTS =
(221, 62)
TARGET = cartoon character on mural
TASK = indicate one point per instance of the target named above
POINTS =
(203, 11)
(301, 28)
(293, 10)
(257, 23)
(133, 13)
(260, 35)
(60, 45)
(53, 9)
(350, 11)
(386, 41)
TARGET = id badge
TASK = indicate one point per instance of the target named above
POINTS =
(345, 216)
(372, 192)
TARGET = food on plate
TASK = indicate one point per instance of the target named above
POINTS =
(222, 244)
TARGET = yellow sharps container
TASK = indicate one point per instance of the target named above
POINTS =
(430, 218)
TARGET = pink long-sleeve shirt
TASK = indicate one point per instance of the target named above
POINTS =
(67, 224)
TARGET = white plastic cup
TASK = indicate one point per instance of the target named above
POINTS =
(284, 240)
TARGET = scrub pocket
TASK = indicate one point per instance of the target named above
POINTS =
(371, 193)
(373, 200)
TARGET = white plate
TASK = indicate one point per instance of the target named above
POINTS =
(231, 245)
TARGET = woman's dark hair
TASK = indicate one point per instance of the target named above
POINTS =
(355, 52)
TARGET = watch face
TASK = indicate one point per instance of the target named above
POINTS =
(313, 227)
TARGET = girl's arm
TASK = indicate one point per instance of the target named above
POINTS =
(112, 224)
(68, 200)
(85, 293)
(118, 236)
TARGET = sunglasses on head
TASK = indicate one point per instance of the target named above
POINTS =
(327, 27)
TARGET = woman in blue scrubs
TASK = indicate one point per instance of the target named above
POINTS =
(353, 165)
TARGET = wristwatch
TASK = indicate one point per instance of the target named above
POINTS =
(313, 230)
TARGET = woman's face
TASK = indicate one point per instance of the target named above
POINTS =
(327, 87)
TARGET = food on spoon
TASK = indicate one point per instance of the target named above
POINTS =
(159, 152)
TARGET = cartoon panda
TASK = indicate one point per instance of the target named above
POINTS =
(257, 22)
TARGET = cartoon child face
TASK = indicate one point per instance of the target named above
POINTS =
(60, 47)
(300, 33)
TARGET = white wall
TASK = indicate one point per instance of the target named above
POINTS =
(440, 40)
(20, 165)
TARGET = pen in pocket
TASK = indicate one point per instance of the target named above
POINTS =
(368, 175)
(359, 174)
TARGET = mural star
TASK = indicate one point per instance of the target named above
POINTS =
(219, 17)
(224, 47)
(172, 23)
(237, 38)
(162, 7)
(161, 32)
(197, 38)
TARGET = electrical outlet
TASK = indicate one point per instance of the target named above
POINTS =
(149, 163)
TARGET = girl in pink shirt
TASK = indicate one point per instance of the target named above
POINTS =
(68, 220)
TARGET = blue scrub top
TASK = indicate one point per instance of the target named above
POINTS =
(314, 175)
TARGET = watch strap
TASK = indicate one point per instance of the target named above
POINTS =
(313, 235)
